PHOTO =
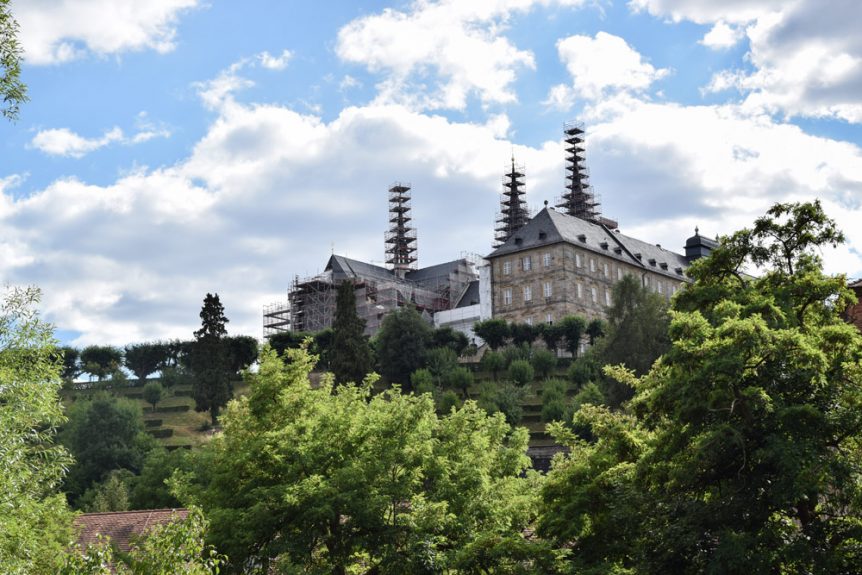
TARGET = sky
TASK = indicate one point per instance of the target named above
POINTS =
(174, 148)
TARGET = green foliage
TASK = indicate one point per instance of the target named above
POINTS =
(554, 406)
(143, 359)
(337, 480)
(453, 339)
(544, 362)
(583, 370)
(103, 434)
(153, 393)
(505, 398)
(521, 372)
(34, 521)
(494, 332)
(285, 340)
(242, 352)
(209, 359)
(71, 365)
(149, 490)
(448, 401)
(13, 92)
(112, 494)
(596, 329)
(523, 334)
(493, 361)
(351, 358)
(173, 548)
(516, 352)
(551, 334)
(739, 451)
(422, 381)
(402, 344)
(101, 360)
(440, 361)
(173, 376)
(572, 328)
(459, 378)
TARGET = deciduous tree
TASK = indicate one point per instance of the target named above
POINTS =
(402, 344)
(494, 332)
(13, 92)
(143, 359)
(101, 360)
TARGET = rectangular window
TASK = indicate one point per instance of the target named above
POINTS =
(592, 265)
(547, 289)
(530, 320)
(594, 294)
(619, 274)
(607, 297)
(660, 287)
(528, 293)
(546, 260)
(527, 263)
(579, 261)
(549, 318)
(507, 296)
(580, 291)
(507, 268)
(605, 271)
(672, 290)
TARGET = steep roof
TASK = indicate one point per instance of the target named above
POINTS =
(470, 296)
(343, 267)
(434, 271)
(123, 526)
(551, 227)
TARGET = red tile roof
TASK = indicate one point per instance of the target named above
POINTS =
(122, 526)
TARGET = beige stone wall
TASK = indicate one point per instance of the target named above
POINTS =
(579, 283)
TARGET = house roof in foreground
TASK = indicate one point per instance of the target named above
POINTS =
(123, 526)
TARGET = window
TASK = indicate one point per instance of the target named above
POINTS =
(546, 260)
(530, 320)
(528, 293)
(672, 290)
(619, 274)
(605, 271)
(549, 319)
(592, 265)
(507, 296)
(527, 263)
(607, 297)
(507, 268)
(579, 261)
(547, 289)
(594, 294)
(660, 287)
(580, 291)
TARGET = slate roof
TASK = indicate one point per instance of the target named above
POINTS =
(122, 526)
(550, 227)
(471, 295)
(341, 267)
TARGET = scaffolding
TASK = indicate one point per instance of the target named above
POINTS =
(579, 200)
(313, 300)
(276, 318)
(513, 208)
(400, 240)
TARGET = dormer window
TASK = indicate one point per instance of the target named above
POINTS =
(542, 235)
(518, 241)
(663, 265)
(618, 250)
(651, 262)
(638, 256)
(604, 245)
(678, 271)
(582, 238)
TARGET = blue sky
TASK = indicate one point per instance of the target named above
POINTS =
(177, 147)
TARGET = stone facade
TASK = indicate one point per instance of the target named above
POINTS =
(559, 265)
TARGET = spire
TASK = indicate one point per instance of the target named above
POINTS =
(578, 200)
(401, 237)
(513, 208)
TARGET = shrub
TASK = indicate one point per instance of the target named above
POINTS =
(422, 381)
(516, 352)
(458, 378)
(493, 362)
(505, 398)
(553, 410)
(447, 400)
(544, 362)
(582, 371)
(521, 372)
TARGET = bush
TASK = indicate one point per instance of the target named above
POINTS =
(516, 352)
(440, 361)
(448, 400)
(493, 362)
(458, 378)
(153, 393)
(582, 371)
(173, 376)
(422, 381)
(553, 410)
(544, 362)
(521, 372)
(505, 398)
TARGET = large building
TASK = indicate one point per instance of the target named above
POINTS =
(558, 265)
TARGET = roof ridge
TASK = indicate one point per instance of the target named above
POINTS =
(100, 513)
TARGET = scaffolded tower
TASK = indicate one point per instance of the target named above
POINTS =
(513, 208)
(401, 237)
(579, 200)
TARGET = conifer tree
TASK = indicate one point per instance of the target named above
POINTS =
(209, 359)
(350, 358)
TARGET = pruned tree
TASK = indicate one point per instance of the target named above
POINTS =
(143, 359)
(572, 328)
(101, 360)
(494, 332)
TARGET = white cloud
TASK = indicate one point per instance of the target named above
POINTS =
(271, 62)
(65, 142)
(806, 56)
(57, 31)
(456, 46)
(600, 66)
(722, 36)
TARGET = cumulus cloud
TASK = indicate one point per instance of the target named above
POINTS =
(600, 66)
(806, 58)
(64, 142)
(722, 36)
(57, 31)
(458, 46)
(271, 62)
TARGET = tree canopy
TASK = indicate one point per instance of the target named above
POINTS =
(740, 449)
(350, 357)
(330, 479)
(402, 344)
(13, 92)
(209, 358)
